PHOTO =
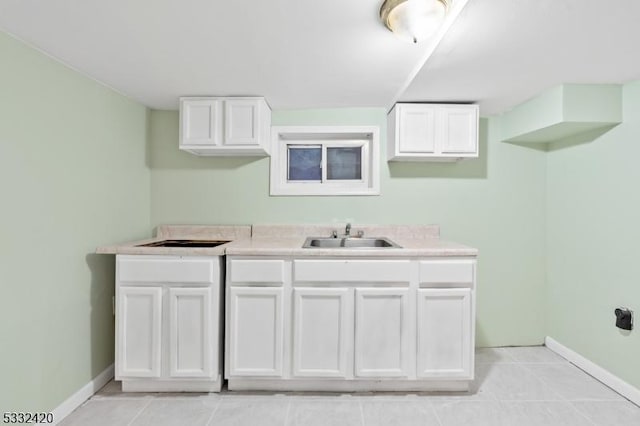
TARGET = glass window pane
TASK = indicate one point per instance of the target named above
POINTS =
(305, 162)
(344, 163)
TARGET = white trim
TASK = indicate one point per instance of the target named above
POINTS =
(614, 382)
(84, 393)
(341, 385)
(368, 137)
(187, 385)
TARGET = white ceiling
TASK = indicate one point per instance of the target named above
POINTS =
(331, 53)
(501, 52)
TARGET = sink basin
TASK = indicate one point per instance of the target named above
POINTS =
(349, 243)
(184, 243)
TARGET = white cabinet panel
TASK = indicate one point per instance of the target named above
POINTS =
(459, 130)
(241, 118)
(321, 323)
(444, 333)
(382, 332)
(417, 129)
(256, 271)
(139, 328)
(323, 270)
(190, 333)
(199, 121)
(459, 273)
(256, 331)
(141, 269)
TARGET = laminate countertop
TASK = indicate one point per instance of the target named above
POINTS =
(287, 240)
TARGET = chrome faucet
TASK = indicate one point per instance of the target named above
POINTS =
(347, 230)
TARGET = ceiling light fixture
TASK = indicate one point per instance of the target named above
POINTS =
(413, 20)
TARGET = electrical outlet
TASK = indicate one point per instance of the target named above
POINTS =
(624, 318)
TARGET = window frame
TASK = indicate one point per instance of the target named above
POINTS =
(365, 137)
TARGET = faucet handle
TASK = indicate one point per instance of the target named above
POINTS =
(360, 234)
(334, 234)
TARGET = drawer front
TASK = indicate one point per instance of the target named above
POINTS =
(459, 273)
(256, 271)
(352, 270)
(140, 269)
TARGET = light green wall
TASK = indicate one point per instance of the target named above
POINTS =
(593, 211)
(494, 203)
(72, 177)
(563, 113)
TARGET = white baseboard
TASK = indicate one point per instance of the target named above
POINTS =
(84, 393)
(614, 382)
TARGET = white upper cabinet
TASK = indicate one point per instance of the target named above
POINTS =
(432, 132)
(225, 126)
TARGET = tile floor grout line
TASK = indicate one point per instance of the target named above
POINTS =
(286, 415)
(547, 385)
(562, 397)
(582, 414)
(362, 421)
(140, 412)
(215, 410)
(435, 413)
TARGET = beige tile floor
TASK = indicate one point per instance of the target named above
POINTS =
(514, 387)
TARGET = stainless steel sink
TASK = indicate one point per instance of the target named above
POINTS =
(349, 243)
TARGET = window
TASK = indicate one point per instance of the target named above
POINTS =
(325, 161)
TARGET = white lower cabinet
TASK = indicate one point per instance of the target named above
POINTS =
(350, 324)
(168, 323)
(382, 332)
(139, 332)
(255, 315)
(444, 333)
(322, 324)
(190, 334)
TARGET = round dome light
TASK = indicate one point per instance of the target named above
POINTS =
(413, 20)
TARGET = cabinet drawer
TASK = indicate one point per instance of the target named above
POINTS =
(256, 271)
(139, 269)
(351, 270)
(459, 273)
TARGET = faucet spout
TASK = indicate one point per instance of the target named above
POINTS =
(347, 230)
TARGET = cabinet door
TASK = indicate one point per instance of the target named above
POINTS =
(242, 122)
(459, 129)
(321, 325)
(191, 334)
(382, 320)
(255, 331)
(139, 324)
(199, 122)
(417, 129)
(444, 333)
